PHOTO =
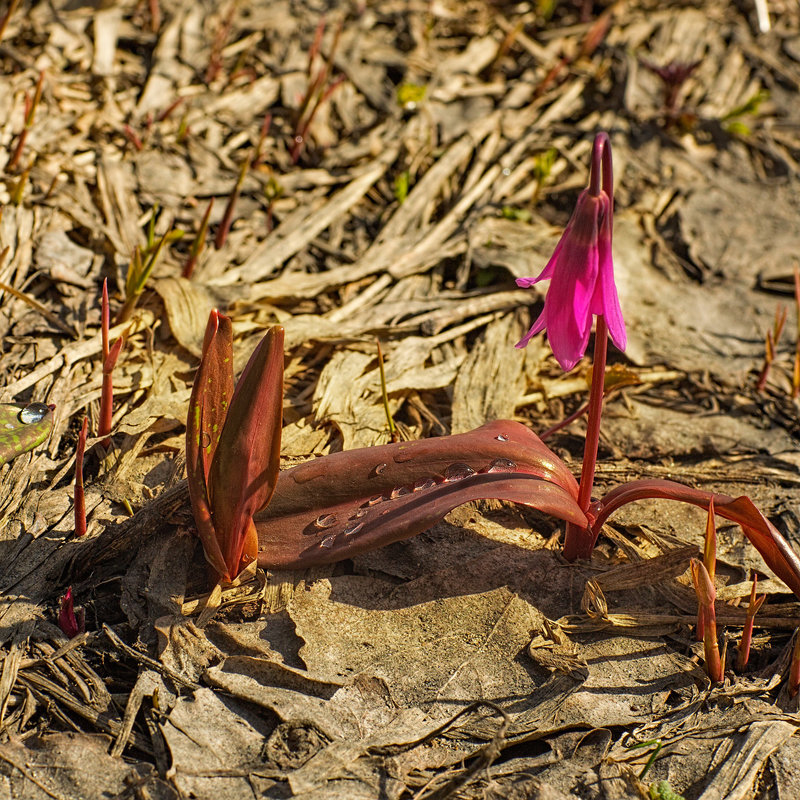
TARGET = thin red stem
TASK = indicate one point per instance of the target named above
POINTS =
(595, 412)
(747, 633)
(601, 174)
(110, 355)
(578, 542)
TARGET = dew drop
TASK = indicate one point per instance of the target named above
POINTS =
(373, 501)
(328, 541)
(501, 437)
(205, 440)
(424, 483)
(502, 465)
(399, 491)
(298, 139)
(379, 469)
(360, 512)
(352, 528)
(35, 412)
(458, 471)
(325, 520)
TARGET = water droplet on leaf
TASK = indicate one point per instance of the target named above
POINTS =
(424, 483)
(379, 469)
(328, 541)
(501, 437)
(458, 471)
(502, 465)
(325, 520)
(352, 528)
(35, 412)
(399, 491)
(373, 501)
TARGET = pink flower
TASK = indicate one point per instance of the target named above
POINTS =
(581, 272)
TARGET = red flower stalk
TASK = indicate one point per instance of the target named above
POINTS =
(747, 634)
(80, 499)
(71, 620)
(706, 594)
(110, 356)
(581, 273)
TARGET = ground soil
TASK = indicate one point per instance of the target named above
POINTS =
(448, 143)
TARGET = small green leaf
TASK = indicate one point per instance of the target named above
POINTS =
(23, 427)
(409, 95)
(401, 184)
(543, 164)
(516, 214)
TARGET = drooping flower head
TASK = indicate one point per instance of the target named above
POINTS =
(581, 271)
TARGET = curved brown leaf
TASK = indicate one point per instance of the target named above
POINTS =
(347, 503)
(775, 550)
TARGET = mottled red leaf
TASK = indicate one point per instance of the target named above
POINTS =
(347, 503)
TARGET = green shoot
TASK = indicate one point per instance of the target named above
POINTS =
(198, 244)
(142, 263)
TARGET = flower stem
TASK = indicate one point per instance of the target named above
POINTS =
(601, 175)
(578, 542)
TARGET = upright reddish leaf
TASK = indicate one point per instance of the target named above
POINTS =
(208, 406)
(245, 467)
(347, 503)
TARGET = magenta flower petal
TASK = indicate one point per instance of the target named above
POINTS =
(581, 274)
(605, 300)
